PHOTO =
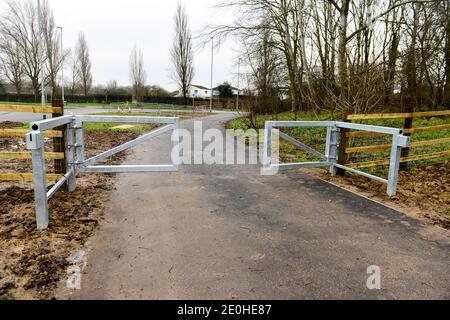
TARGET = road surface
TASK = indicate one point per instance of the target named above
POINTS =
(226, 232)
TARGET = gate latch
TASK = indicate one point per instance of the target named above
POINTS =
(404, 141)
(35, 140)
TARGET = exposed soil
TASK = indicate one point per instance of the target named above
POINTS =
(32, 263)
(10, 125)
(424, 192)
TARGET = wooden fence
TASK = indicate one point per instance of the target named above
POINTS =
(57, 135)
(407, 130)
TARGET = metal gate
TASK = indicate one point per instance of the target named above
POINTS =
(76, 162)
(330, 158)
(75, 155)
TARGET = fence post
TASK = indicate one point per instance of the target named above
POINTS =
(70, 157)
(332, 147)
(405, 152)
(59, 144)
(35, 143)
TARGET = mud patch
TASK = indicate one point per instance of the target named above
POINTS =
(10, 125)
(32, 263)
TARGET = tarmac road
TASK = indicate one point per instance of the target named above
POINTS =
(226, 232)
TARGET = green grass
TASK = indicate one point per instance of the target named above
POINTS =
(136, 128)
(244, 123)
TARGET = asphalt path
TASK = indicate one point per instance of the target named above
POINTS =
(227, 232)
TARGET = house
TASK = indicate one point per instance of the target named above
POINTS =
(202, 92)
(197, 91)
(235, 91)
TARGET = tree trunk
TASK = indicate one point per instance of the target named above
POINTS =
(411, 79)
(447, 62)
(343, 70)
(392, 62)
(342, 50)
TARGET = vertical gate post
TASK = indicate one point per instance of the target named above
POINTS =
(331, 151)
(394, 166)
(79, 138)
(70, 157)
(267, 157)
(35, 143)
(176, 144)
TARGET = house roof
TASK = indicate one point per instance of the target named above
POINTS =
(232, 88)
(216, 88)
(200, 87)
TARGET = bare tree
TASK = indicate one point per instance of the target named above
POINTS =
(84, 64)
(20, 24)
(112, 87)
(181, 53)
(137, 74)
(446, 17)
(12, 65)
(286, 20)
(54, 56)
(74, 73)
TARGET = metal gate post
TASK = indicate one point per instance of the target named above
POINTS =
(267, 157)
(331, 151)
(35, 142)
(394, 166)
(176, 144)
(79, 140)
(70, 156)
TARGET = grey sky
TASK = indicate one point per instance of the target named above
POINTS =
(112, 27)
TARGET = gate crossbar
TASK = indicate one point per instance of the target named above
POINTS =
(330, 159)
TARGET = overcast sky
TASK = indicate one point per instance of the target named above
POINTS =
(112, 27)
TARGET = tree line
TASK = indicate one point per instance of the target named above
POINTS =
(350, 56)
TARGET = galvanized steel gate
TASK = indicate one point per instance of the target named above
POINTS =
(330, 158)
(76, 161)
